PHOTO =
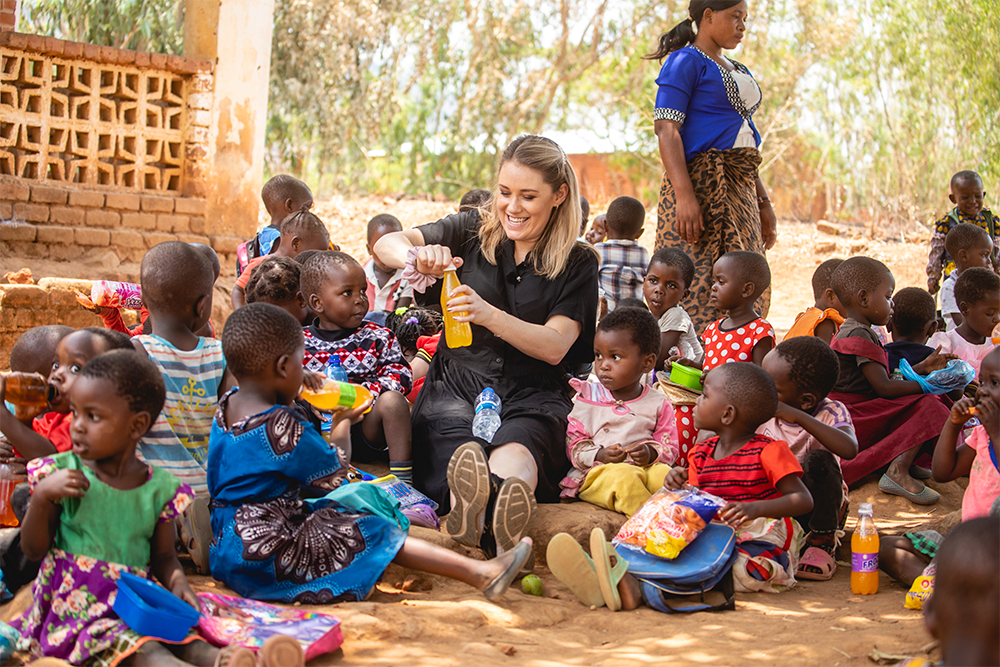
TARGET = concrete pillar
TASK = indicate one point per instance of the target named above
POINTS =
(236, 35)
(8, 14)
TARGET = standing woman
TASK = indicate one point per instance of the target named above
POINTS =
(530, 291)
(712, 200)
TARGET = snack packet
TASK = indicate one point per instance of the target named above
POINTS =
(922, 588)
(669, 521)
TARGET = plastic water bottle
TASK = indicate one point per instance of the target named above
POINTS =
(335, 371)
(487, 419)
(864, 553)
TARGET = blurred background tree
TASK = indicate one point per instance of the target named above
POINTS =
(869, 105)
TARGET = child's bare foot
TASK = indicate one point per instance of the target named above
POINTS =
(631, 594)
(501, 571)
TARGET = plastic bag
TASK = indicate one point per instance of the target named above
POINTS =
(922, 588)
(669, 521)
(227, 619)
(956, 375)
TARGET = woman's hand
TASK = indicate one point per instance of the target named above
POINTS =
(434, 259)
(690, 223)
(768, 226)
(467, 306)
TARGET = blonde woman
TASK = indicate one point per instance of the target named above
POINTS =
(530, 291)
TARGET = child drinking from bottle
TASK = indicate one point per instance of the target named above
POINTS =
(622, 437)
(268, 543)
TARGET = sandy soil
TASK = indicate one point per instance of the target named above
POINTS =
(816, 623)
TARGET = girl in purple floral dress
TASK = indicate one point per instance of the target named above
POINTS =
(96, 512)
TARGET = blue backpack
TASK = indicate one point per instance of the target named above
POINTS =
(699, 579)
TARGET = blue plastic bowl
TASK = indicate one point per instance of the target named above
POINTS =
(152, 610)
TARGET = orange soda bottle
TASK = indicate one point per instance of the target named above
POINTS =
(995, 336)
(456, 334)
(8, 480)
(28, 392)
(864, 553)
(336, 395)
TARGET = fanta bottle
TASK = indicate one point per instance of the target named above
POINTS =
(456, 334)
(112, 294)
(8, 480)
(996, 334)
(334, 395)
(864, 553)
(27, 392)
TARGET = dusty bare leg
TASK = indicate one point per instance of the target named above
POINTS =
(423, 556)
(899, 470)
(898, 559)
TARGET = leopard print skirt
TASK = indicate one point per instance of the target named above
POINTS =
(725, 185)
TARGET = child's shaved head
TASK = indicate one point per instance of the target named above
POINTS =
(210, 255)
(284, 194)
(750, 389)
(965, 178)
(174, 275)
(34, 350)
(751, 267)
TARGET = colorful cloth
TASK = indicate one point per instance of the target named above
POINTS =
(750, 473)
(369, 354)
(426, 347)
(385, 298)
(806, 322)
(767, 555)
(677, 319)
(595, 423)
(952, 342)
(268, 543)
(885, 427)
(54, 426)
(939, 259)
(723, 346)
(178, 439)
(244, 277)
(71, 616)
(926, 542)
(622, 270)
(984, 478)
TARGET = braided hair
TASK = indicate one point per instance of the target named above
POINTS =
(409, 324)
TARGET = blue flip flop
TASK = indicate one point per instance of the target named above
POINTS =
(926, 497)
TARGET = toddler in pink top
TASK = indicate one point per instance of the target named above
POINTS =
(622, 436)
(977, 292)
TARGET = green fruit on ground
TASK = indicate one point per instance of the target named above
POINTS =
(532, 585)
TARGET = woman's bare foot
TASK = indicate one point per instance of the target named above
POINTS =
(631, 594)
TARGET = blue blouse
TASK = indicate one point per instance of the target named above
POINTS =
(704, 98)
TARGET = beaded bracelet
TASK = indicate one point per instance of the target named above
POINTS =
(762, 200)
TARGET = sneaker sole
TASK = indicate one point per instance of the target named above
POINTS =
(469, 482)
(513, 513)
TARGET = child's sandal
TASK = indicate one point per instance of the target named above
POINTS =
(602, 552)
(571, 565)
(235, 656)
(281, 651)
(816, 565)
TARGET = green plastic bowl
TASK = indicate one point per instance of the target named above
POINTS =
(685, 375)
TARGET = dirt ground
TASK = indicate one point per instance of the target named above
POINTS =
(815, 623)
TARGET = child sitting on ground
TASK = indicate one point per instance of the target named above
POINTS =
(282, 196)
(418, 331)
(668, 276)
(738, 279)
(971, 247)
(386, 288)
(967, 195)
(49, 433)
(98, 511)
(905, 557)
(622, 438)
(977, 292)
(300, 231)
(623, 260)
(825, 317)
(913, 321)
(819, 432)
(271, 545)
(892, 419)
(335, 289)
(276, 281)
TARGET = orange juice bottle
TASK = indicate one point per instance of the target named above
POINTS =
(995, 336)
(336, 394)
(456, 334)
(864, 553)
(7, 483)
(28, 392)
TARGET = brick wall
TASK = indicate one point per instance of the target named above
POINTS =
(46, 222)
(8, 14)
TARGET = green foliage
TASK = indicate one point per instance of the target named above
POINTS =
(143, 25)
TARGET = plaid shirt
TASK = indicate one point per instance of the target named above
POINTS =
(623, 270)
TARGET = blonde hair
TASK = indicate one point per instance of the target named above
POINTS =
(551, 254)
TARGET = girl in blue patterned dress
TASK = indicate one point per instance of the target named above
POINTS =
(268, 542)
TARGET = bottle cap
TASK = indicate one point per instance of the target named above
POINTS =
(865, 508)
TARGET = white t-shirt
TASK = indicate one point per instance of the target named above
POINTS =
(750, 94)
(677, 319)
(949, 306)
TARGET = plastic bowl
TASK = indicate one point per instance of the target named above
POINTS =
(153, 611)
(685, 375)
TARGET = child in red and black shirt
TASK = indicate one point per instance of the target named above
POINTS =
(335, 289)
(758, 476)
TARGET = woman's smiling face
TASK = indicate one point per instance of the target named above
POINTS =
(525, 203)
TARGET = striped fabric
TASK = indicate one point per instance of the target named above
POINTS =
(748, 474)
(178, 441)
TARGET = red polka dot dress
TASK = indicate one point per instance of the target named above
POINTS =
(686, 432)
(723, 346)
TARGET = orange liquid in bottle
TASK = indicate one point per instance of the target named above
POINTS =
(864, 553)
(335, 395)
(29, 392)
(7, 517)
(456, 334)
